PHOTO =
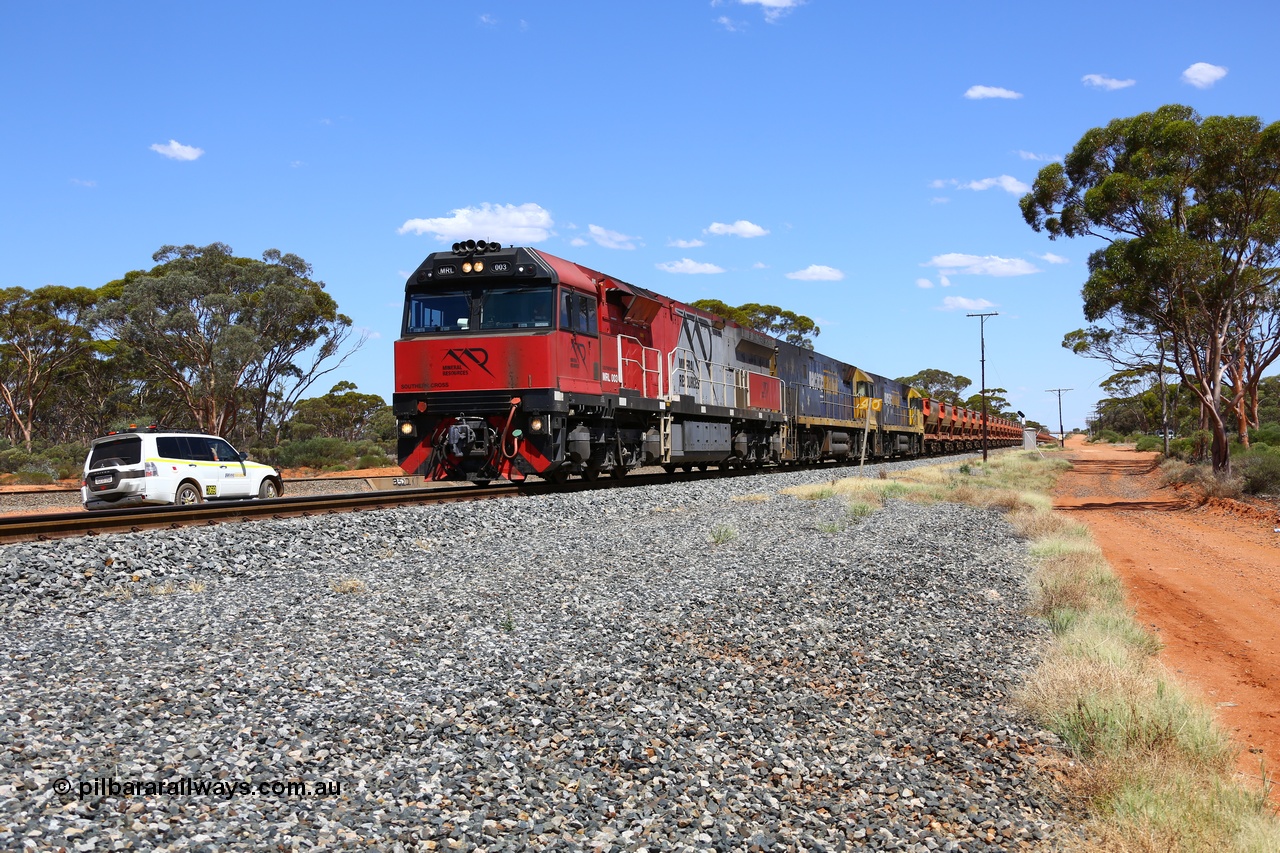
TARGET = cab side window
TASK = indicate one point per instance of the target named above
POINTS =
(578, 313)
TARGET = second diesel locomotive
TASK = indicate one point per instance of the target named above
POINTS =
(513, 362)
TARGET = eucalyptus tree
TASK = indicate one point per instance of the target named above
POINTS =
(788, 325)
(46, 336)
(1190, 210)
(224, 333)
(939, 385)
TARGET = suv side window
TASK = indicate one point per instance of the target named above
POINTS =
(169, 447)
(121, 451)
(222, 451)
(197, 448)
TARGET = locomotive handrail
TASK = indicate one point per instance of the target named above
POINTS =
(643, 364)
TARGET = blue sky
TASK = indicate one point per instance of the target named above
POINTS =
(860, 164)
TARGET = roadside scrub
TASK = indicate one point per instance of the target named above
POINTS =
(1157, 773)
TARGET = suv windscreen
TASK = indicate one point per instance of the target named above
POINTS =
(119, 451)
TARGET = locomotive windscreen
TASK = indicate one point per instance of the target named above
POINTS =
(438, 312)
(524, 308)
(460, 310)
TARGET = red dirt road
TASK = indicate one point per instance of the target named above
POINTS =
(1205, 578)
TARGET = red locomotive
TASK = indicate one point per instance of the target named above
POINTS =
(514, 362)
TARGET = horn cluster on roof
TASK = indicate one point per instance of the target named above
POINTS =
(477, 247)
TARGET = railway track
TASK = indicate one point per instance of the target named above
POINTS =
(58, 525)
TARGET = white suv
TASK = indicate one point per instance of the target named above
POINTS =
(154, 466)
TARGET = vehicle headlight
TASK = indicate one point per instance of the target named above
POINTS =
(535, 425)
(407, 428)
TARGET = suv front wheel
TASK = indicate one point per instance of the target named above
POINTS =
(188, 494)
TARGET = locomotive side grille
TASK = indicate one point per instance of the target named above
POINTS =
(469, 402)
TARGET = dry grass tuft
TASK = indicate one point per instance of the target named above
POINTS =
(349, 586)
(757, 498)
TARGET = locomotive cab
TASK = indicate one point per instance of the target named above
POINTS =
(491, 342)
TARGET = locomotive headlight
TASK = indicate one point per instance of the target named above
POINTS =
(535, 425)
(478, 266)
(407, 428)
(466, 266)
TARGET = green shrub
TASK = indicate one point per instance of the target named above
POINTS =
(1267, 433)
(1108, 435)
(1150, 442)
(313, 453)
(15, 459)
(373, 460)
(34, 477)
(1260, 472)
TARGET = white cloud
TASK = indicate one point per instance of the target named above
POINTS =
(685, 244)
(1202, 75)
(978, 93)
(728, 23)
(1110, 84)
(816, 272)
(687, 266)
(505, 223)
(79, 182)
(924, 283)
(488, 20)
(611, 239)
(579, 241)
(1051, 258)
(943, 280)
(759, 265)
(1031, 155)
(741, 228)
(956, 263)
(959, 303)
(773, 9)
(175, 150)
(1007, 183)
(939, 199)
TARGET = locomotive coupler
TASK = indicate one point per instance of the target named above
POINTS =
(468, 438)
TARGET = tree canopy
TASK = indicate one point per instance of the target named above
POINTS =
(46, 338)
(225, 333)
(789, 326)
(1190, 210)
(938, 385)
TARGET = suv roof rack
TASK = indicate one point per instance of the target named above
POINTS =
(134, 428)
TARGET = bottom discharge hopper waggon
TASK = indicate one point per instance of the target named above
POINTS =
(512, 362)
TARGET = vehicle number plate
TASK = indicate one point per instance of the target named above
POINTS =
(102, 478)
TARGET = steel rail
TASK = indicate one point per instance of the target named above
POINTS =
(48, 526)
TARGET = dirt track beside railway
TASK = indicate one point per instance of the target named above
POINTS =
(1204, 577)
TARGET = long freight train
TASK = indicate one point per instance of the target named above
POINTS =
(514, 362)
